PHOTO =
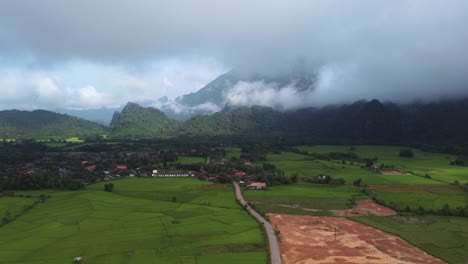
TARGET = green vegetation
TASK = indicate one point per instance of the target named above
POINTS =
(294, 198)
(74, 140)
(15, 205)
(45, 125)
(443, 237)
(436, 165)
(304, 166)
(233, 153)
(135, 121)
(426, 201)
(137, 223)
(191, 160)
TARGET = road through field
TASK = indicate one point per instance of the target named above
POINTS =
(273, 242)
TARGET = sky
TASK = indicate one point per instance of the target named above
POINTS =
(90, 54)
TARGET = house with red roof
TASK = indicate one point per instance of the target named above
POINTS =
(240, 174)
(257, 186)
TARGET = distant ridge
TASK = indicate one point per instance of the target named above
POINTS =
(42, 124)
(363, 122)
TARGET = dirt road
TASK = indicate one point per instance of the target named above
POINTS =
(274, 247)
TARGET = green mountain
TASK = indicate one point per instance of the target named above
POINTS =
(136, 121)
(42, 124)
(363, 122)
(243, 120)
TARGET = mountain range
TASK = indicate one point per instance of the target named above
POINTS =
(363, 122)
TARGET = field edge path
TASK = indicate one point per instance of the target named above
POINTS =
(275, 254)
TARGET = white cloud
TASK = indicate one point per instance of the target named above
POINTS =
(84, 84)
(48, 92)
(265, 94)
(87, 97)
(132, 82)
(167, 82)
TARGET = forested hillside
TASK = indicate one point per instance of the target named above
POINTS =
(363, 122)
(136, 121)
(41, 124)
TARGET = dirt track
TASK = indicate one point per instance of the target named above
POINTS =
(311, 239)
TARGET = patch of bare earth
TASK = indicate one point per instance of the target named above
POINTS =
(365, 207)
(311, 239)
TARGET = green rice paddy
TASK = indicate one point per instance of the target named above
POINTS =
(142, 221)
(443, 237)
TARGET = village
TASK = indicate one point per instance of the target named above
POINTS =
(74, 170)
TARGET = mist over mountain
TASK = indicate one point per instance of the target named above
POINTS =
(101, 115)
(282, 90)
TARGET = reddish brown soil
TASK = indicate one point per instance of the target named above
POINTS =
(311, 239)
(365, 207)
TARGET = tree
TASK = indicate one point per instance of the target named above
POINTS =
(406, 153)
(294, 178)
(7, 217)
(269, 167)
(109, 187)
(445, 210)
(357, 182)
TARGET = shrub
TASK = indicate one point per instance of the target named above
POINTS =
(406, 153)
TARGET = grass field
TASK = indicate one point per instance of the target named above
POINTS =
(233, 152)
(191, 160)
(443, 237)
(74, 140)
(14, 205)
(437, 165)
(298, 196)
(428, 199)
(304, 166)
(137, 223)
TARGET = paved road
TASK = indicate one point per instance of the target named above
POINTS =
(274, 247)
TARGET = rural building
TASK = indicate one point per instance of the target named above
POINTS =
(257, 186)
(240, 174)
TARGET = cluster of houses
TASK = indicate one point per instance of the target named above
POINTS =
(93, 167)
(98, 166)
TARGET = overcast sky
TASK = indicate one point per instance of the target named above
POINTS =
(88, 53)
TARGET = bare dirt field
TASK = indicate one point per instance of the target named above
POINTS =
(311, 239)
(365, 207)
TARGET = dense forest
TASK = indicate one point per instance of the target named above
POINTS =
(441, 125)
(427, 125)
